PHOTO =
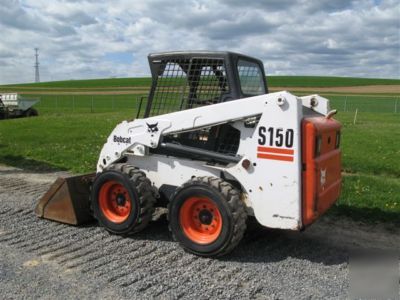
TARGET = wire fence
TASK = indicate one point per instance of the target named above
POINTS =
(118, 102)
(375, 104)
(88, 103)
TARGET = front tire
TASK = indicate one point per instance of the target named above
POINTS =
(122, 199)
(207, 217)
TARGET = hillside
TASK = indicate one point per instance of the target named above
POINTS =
(273, 81)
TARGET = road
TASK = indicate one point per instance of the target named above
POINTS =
(40, 258)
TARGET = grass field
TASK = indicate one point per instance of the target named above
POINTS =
(88, 103)
(67, 136)
(371, 151)
(319, 81)
(282, 81)
(90, 83)
(110, 103)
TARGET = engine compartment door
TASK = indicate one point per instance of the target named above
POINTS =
(321, 160)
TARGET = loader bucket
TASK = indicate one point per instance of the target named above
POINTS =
(67, 200)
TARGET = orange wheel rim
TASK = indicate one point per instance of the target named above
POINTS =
(114, 201)
(200, 220)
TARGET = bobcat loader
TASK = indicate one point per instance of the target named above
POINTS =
(215, 147)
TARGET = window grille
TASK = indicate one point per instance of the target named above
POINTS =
(188, 83)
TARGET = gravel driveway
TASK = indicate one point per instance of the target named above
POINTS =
(40, 258)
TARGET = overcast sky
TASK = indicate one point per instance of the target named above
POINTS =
(97, 39)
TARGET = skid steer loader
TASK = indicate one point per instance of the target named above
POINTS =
(215, 147)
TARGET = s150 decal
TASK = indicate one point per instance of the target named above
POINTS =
(271, 142)
(275, 137)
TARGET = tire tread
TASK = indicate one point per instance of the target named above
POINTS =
(235, 204)
(144, 190)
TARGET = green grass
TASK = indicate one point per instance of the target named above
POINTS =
(382, 104)
(285, 81)
(322, 81)
(89, 83)
(72, 141)
(88, 103)
(110, 103)
(372, 146)
(370, 199)
(370, 157)
(57, 141)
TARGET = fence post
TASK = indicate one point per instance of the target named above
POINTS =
(355, 117)
(395, 106)
(91, 107)
(345, 104)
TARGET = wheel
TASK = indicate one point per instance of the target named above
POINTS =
(31, 112)
(122, 199)
(207, 217)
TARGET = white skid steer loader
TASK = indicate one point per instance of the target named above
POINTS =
(214, 147)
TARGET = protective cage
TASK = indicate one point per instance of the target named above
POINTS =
(185, 80)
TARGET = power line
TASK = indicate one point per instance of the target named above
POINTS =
(37, 76)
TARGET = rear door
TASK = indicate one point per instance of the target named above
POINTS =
(321, 166)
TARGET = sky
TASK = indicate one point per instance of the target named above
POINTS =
(81, 39)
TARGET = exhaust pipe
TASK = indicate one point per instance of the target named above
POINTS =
(67, 200)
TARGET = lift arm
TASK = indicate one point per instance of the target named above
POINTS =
(136, 135)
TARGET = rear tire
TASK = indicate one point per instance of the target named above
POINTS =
(207, 217)
(31, 112)
(122, 199)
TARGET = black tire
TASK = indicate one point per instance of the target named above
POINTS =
(31, 112)
(140, 192)
(231, 208)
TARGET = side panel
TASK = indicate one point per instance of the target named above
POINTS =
(322, 166)
(273, 181)
(161, 169)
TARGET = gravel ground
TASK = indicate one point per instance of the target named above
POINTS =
(44, 259)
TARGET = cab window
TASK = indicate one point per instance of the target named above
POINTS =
(251, 78)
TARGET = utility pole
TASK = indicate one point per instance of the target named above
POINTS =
(37, 76)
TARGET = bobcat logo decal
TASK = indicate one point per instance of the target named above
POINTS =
(152, 127)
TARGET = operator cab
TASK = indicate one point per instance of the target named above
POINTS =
(184, 80)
